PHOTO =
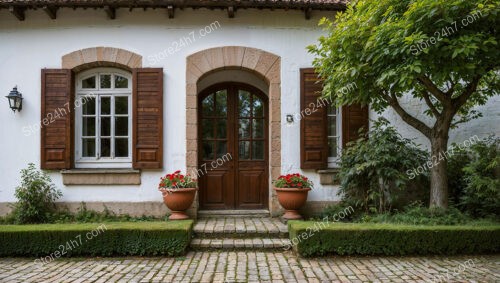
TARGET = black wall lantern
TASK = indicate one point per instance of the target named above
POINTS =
(15, 100)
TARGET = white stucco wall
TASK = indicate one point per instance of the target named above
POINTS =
(39, 42)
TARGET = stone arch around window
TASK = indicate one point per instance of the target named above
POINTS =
(101, 57)
(262, 63)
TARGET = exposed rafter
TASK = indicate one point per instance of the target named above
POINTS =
(308, 12)
(18, 12)
(50, 11)
(230, 12)
(171, 11)
(111, 12)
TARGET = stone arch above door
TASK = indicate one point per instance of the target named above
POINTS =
(262, 63)
(101, 57)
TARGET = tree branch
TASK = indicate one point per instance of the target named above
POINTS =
(428, 101)
(412, 121)
(433, 89)
(468, 91)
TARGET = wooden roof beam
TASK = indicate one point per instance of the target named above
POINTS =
(111, 12)
(50, 11)
(230, 12)
(18, 12)
(171, 11)
(308, 12)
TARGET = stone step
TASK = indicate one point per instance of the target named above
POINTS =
(259, 213)
(240, 228)
(240, 244)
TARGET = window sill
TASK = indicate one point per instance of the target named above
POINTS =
(101, 177)
(327, 176)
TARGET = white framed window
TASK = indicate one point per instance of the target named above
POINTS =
(334, 135)
(103, 119)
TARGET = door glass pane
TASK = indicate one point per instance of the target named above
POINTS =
(243, 103)
(258, 107)
(221, 128)
(221, 148)
(258, 150)
(88, 82)
(105, 148)
(121, 126)
(221, 100)
(244, 150)
(105, 126)
(258, 128)
(88, 126)
(121, 147)
(208, 150)
(105, 105)
(121, 82)
(105, 81)
(207, 105)
(88, 104)
(121, 105)
(88, 147)
(244, 128)
(207, 130)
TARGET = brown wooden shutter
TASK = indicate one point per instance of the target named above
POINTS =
(56, 144)
(147, 118)
(313, 123)
(354, 117)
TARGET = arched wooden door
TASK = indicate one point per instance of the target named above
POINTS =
(233, 147)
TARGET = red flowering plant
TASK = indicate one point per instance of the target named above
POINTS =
(293, 181)
(176, 180)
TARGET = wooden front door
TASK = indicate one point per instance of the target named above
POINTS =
(233, 147)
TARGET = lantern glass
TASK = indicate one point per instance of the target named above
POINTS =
(15, 100)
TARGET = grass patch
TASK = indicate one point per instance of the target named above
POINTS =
(311, 238)
(96, 239)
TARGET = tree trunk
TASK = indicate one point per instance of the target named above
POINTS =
(439, 176)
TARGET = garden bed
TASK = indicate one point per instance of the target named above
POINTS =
(96, 239)
(311, 238)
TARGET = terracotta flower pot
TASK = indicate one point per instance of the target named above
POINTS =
(178, 200)
(292, 199)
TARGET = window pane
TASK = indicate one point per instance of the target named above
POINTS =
(332, 110)
(207, 129)
(332, 125)
(121, 126)
(258, 128)
(121, 147)
(105, 126)
(88, 126)
(332, 147)
(121, 105)
(244, 128)
(244, 150)
(105, 81)
(105, 105)
(88, 82)
(208, 150)
(244, 103)
(121, 82)
(105, 148)
(221, 128)
(208, 105)
(88, 147)
(221, 100)
(258, 107)
(258, 150)
(88, 104)
(221, 149)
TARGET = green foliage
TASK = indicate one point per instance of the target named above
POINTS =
(392, 240)
(373, 44)
(36, 196)
(481, 195)
(117, 239)
(334, 210)
(373, 171)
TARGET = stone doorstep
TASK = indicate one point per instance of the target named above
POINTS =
(240, 244)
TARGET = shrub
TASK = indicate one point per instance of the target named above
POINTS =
(392, 240)
(373, 171)
(123, 239)
(36, 196)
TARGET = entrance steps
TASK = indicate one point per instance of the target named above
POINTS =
(239, 233)
(233, 213)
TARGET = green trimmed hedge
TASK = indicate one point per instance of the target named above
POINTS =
(311, 239)
(123, 238)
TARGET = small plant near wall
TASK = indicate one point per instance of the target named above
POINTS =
(36, 197)
(293, 181)
(176, 180)
(178, 192)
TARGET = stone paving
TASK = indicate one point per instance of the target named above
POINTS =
(251, 225)
(254, 267)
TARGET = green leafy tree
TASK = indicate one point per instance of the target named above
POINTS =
(442, 52)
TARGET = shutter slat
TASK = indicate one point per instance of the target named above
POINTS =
(147, 118)
(56, 141)
(313, 139)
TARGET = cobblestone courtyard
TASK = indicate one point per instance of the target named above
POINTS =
(254, 267)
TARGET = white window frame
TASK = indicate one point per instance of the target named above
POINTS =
(333, 161)
(102, 162)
